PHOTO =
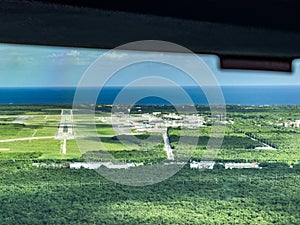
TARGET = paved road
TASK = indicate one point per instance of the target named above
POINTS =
(168, 148)
(64, 147)
(26, 139)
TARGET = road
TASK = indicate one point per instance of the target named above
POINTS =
(27, 139)
(64, 147)
(167, 147)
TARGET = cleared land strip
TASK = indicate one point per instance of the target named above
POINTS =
(26, 139)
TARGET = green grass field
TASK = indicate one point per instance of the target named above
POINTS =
(45, 126)
(37, 124)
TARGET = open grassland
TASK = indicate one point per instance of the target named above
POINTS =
(109, 140)
(126, 148)
(46, 125)
(38, 149)
(39, 122)
(33, 125)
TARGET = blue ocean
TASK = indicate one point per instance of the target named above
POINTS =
(233, 95)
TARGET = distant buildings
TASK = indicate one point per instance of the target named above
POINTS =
(158, 122)
(172, 116)
(156, 113)
(253, 165)
(202, 165)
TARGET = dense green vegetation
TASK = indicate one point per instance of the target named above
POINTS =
(267, 124)
(31, 195)
(32, 109)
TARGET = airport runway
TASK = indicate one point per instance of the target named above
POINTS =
(66, 125)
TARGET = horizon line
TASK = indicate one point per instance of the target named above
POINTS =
(118, 86)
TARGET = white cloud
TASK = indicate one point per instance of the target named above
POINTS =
(115, 55)
(73, 53)
(55, 55)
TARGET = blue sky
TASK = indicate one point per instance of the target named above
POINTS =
(40, 66)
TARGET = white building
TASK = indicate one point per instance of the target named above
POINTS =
(295, 123)
(253, 165)
(202, 165)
